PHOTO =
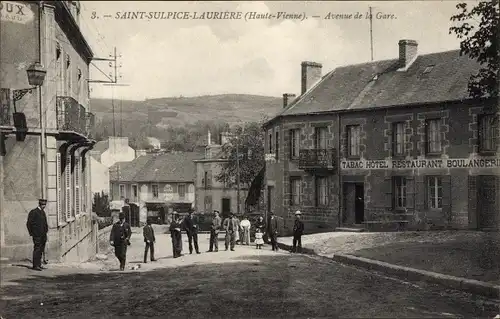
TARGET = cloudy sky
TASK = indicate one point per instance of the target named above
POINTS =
(162, 58)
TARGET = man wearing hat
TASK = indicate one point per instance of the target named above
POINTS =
(214, 232)
(120, 239)
(273, 231)
(231, 227)
(298, 230)
(191, 227)
(38, 229)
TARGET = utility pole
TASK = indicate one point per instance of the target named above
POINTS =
(237, 178)
(371, 33)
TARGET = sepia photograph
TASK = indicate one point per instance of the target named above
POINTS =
(250, 159)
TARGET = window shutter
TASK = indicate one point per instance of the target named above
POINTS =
(446, 185)
(59, 207)
(209, 179)
(76, 177)
(67, 185)
(203, 180)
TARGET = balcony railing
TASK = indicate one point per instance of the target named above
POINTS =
(71, 116)
(5, 109)
(318, 159)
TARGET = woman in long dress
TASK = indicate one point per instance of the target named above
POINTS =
(176, 234)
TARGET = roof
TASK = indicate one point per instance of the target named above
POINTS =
(168, 167)
(101, 146)
(379, 84)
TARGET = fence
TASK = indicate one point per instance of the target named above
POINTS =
(103, 246)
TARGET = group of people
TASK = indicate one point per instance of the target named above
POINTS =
(235, 231)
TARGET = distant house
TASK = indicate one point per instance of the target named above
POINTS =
(157, 183)
(103, 155)
(211, 194)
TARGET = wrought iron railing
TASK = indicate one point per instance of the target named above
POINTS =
(71, 116)
(318, 158)
(5, 109)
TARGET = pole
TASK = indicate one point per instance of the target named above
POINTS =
(371, 33)
(237, 178)
(113, 109)
(43, 144)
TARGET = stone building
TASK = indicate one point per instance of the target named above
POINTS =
(45, 128)
(393, 144)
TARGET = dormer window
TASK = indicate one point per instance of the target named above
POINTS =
(68, 61)
(375, 77)
(58, 50)
(428, 69)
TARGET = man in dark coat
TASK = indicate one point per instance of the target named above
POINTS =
(38, 228)
(120, 239)
(214, 232)
(175, 233)
(298, 230)
(272, 231)
(149, 239)
(191, 227)
(231, 227)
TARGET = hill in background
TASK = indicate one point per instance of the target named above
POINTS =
(163, 116)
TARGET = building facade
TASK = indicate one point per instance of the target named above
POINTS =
(157, 183)
(394, 144)
(45, 132)
(210, 193)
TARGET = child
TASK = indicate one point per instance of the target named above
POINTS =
(258, 238)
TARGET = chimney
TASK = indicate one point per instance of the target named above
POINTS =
(407, 53)
(209, 138)
(311, 74)
(287, 98)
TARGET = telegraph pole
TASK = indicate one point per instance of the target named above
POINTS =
(237, 178)
(371, 33)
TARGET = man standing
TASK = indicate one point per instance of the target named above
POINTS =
(120, 239)
(214, 232)
(38, 229)
(176, 235)
(245, 226)
(272, 230)
(149, 239)
(231, 227)
(191, 227)
(298, 230)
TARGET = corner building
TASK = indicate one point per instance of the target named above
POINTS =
(386, 145)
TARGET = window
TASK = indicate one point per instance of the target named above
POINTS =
(270, 142)
(321, 191)
(433, 133)
(398, 139)
(154, 190)
(204, 180)
(353, 139)
(181, 189)
(320, 138)
(399, 192)
(295, 191)
(435, 192)
(294, 143)
(135, 193)
(121, 191)
(277, 141)
(487, 133)
(59, 180)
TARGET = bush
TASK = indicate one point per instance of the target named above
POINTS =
(104, 222)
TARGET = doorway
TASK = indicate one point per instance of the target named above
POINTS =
(270, 194)
(226, 207)
(354, 204)
(486, 201)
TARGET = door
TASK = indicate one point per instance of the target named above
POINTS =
(359, 204)
(349, 191)
(226, 207)
(486, 201)
(270, 194)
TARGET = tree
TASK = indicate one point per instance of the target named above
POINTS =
(478, 29)
(100, 205)
(251, 155)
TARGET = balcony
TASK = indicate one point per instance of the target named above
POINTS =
(313, 159)
(71, 116)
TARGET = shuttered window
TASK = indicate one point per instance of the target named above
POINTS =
(353, 140)
(321, 191)
(76, 178)
(433, 136)
(295, 191)
(398, 139)
(67, 188)
(209, 179)
(60, 199)
(294, 143)
(435, 192)
(399, 192)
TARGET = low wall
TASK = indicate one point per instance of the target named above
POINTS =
(103, 246)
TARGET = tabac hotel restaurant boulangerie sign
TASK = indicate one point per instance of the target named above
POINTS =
(422, 163)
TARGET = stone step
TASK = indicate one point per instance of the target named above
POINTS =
(348, 229)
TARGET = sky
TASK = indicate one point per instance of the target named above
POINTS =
(192, 57)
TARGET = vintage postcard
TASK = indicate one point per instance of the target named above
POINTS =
(250, 159)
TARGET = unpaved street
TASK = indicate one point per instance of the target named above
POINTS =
(247, 283)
